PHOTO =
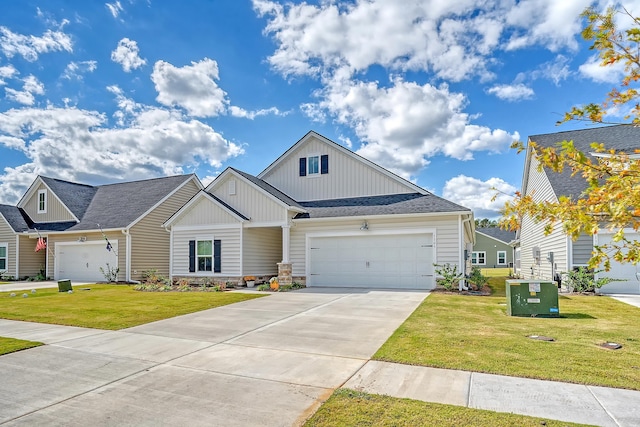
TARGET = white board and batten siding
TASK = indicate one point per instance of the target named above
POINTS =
(435, 238)
(347, 176)
(532, 234)
(248, 200)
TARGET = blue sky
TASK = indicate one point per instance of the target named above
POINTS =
(97, 92)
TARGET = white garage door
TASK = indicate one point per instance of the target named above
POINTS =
(628, 272)
(82, 261)
(372, 261)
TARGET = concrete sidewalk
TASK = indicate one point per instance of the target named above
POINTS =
(576, 403)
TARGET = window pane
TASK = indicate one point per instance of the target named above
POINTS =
(3, 264)
(314, 163)
(204, 264)
(3, 251)
(204, 247)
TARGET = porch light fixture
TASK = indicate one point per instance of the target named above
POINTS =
(364, 226)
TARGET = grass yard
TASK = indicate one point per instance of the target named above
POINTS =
(473, 333)
(9, 345)
(496, 272)
(351, 408)
(109, 306)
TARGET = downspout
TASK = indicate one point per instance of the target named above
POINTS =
(463, 263)
(127, 267)
(170, 230)
(17, 256)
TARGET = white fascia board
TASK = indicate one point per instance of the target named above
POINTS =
(32, 190)
(195, 199)
(164, 199)
(260, 189)
(346, 151)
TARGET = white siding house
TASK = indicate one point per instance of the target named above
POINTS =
(545, 256)
(323, 215)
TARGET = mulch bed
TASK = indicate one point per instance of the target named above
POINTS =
(485, 291)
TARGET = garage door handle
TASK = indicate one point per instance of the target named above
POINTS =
(367, 264)
(87, 265)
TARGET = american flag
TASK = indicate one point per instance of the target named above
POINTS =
(41, 244)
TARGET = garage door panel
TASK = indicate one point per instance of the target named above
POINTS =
(629, 273)
(82, 261)
(402, 261)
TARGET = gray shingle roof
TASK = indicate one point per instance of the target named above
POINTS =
(15, 217)
(76, 197)
(379, 205)
(497, 233)
(268, 188)
(620, 137)
(118, 205)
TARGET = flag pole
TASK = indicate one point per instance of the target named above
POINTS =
(109, 245)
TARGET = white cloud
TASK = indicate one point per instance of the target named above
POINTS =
(405, 124)
(114, 8)
(155, 142)
(75, 70)
(241, 112)
(29, 47)
(31, 85)
(512, 92)
(192, 87)
(477, 195)
(7, 72)
(602, 74)
(127, 54)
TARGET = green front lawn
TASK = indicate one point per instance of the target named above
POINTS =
(473, 333)
(109, 306)
(351, 408)
(9, 345)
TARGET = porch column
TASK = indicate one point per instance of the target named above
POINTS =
(284, 267)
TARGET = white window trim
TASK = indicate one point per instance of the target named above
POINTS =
(309, 174)
(476, 253)
(6, 257)
(42, 192)
(498, 258)
(204, 239)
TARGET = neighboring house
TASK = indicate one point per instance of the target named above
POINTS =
(492, 249)
(319, 214)
(77, 220)
(547, 256)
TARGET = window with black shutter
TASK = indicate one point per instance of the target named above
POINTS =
(324, 164)
(217, 256)
(303, 166)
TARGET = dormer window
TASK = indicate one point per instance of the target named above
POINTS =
(42, 201)
(314, 165)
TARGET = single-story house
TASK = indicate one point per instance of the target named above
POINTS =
(492, 249)
(547, 256)
(322, 215)
(76, 223)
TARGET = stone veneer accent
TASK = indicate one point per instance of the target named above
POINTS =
(284, 273)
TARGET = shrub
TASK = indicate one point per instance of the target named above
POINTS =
(111, 273)
(151, 276)
(582, 279)
(477, 279)
(449, 275)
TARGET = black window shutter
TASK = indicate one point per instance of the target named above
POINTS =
(324, 164)
(303, 166)
(192, 256)
(217, 265)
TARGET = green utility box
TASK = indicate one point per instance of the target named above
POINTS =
(64, 286)
(532, 298)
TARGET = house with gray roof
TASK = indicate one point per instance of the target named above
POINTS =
(322, 215)
(548, 256)
(492, 249)
(86, 228)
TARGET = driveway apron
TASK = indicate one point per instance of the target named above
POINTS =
(266, 362)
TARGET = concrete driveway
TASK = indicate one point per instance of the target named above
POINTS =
(265, 362)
